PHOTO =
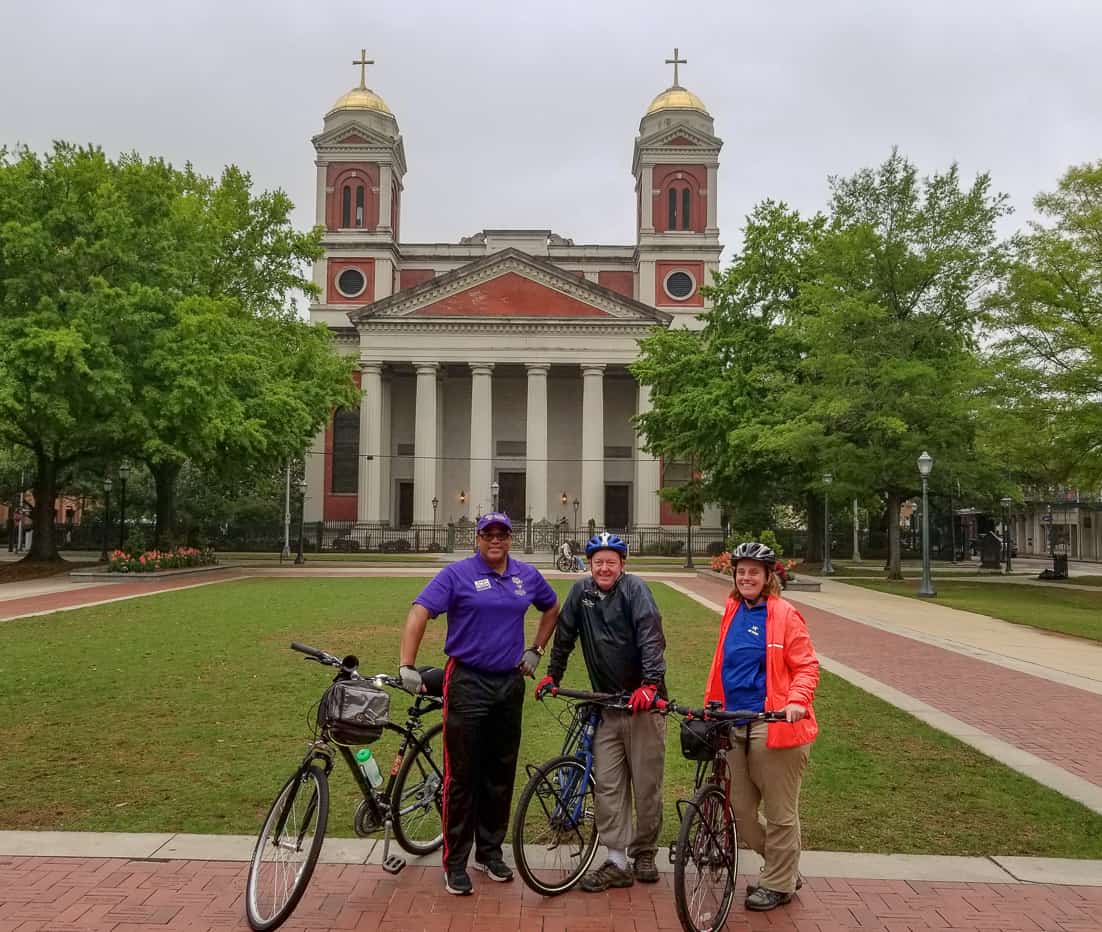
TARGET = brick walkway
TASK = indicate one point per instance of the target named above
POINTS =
(114, 895)
(1057, 723)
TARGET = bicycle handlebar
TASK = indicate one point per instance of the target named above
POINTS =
(348, 665)
(718, 715)
(610, 700)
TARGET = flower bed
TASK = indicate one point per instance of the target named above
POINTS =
(153, 560)
(783, 568)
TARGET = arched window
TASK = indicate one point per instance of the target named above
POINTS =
(359, 205)
(346, 207)
(346, 450)
(686, 200)
(679, 203)
(671, 222)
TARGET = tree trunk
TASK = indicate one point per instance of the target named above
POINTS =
(894, 570)
(814, 528)
(165, 476)
(43, 542)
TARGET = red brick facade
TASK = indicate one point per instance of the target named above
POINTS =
(336, 266)
(361, 182)
(664, 269)
(680, 179)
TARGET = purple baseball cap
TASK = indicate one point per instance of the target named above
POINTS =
(495, 517)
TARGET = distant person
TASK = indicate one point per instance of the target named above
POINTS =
(764, 662)
(485, 598)
(615, 616)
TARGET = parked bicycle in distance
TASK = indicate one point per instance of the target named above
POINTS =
(354, 711)
(555, 833)
(705, 855)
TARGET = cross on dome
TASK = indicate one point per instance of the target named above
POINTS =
(364, 61)
(675, 61)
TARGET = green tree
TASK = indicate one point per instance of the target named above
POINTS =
(1049, 359)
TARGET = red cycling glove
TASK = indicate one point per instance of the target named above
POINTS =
(642, 700)
(545, 686)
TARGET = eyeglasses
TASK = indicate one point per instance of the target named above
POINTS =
(496, 537)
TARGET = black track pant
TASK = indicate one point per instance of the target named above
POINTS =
(482, 713)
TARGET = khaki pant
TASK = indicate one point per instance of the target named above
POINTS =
(769, 777)
(629, 754)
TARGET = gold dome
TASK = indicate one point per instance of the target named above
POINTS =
(360, 98)
(676, 98)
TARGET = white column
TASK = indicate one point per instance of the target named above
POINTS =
(386, 481)
(711, 225)
(319, 213)
(647, 473)
(646, 193)
(386, 204)
(369, 498)
(482, 438)
(424, 444)
(593, 445)
(536, 446)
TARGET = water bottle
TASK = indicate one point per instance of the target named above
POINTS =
(369, 767)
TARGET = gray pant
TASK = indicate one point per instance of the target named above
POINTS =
(629, 755)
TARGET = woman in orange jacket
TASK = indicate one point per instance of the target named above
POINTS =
(764, 662)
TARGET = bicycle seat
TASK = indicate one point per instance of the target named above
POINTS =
(433, 678)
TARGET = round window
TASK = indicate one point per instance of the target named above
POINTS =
(680, 285)
(351, 282)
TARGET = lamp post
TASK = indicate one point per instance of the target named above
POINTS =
(300, 558)
(495, 488)
(926, 587)
(435, 505)
(106, 516)
(1006, 502)
(856, 533)
(124, 474)
(576, 504)
(689, 565)
(285, 553)
(828, 567)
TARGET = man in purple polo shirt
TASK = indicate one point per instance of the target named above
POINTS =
(485, 598)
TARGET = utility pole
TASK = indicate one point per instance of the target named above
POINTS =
(286, 552)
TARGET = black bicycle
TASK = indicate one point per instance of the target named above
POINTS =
(354, 711)
(705, 855)
(554, 829)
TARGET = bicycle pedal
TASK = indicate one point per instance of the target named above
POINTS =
(393, 864)
(673, 854)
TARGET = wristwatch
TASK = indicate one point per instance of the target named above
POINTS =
(537, 649)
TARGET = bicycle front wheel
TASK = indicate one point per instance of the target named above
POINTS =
(417, 800)
(706, 862)
(555, 828)
(287, 849)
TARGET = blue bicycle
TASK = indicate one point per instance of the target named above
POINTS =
(555, 828)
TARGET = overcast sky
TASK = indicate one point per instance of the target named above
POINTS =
(523, 114)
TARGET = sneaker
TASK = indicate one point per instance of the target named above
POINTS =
(605, 876)
(751, 887)
(496, 869)
(644, 868)
(457, 882)
(763, 899)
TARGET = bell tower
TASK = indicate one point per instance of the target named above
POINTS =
(676, 168)
(361, 163)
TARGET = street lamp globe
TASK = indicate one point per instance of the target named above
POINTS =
(925, 464)
(828, 478)
(1007, 501)
(108, 484)
(124, 470)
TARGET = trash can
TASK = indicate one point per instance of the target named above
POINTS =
(991, 551)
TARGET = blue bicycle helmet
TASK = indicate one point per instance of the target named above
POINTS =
(606, 541)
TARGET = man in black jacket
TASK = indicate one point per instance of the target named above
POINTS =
(620, 628)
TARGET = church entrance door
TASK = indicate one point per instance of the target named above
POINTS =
(405, 504)
(511, 497)
(617, 506)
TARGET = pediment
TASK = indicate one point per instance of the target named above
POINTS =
(679, 134)
(353, 133)
(510, 287)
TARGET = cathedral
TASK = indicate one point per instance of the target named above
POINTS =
(493, 372)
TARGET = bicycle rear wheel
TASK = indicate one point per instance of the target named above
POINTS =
(555, 829)
(417, 800)
(706, 862)
(287, 849)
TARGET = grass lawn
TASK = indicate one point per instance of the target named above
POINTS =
(1065, 611)
(185, 711)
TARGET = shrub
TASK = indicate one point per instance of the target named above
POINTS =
(151, 561)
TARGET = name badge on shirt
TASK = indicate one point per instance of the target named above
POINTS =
(481, 584)
(754, 631)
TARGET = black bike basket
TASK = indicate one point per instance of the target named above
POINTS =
(354, 712)
(700, 739)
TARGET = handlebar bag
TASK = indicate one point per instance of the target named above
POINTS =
(700, 739)
(354, 712)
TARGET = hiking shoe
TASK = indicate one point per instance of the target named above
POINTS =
(763, 899)
(457, 882)
(644, 868)
(605, 876)
(495, 869)
(751, 887)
